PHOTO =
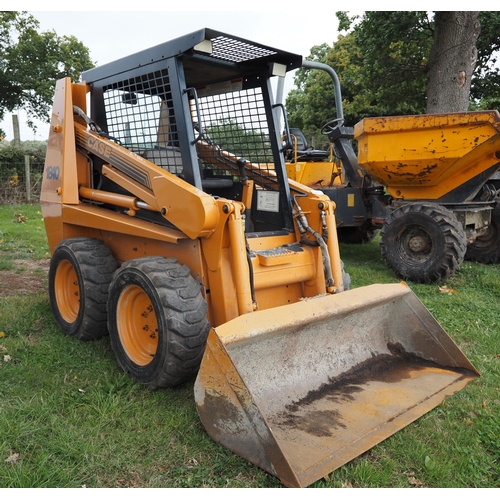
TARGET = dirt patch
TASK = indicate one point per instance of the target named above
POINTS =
(27, 278)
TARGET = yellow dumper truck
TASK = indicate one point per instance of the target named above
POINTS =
(429, 183)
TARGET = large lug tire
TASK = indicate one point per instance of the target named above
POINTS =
(357, 235)
(157, 320)
(422, 242)
(486, 248)
(80, 272)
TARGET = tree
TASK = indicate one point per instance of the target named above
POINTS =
(312, 103)
(452, 61)
(384, 62)
(32, 61)
(394, 50)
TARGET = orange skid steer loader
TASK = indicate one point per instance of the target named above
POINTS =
(174, 228)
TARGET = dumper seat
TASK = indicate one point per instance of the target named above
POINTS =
(304, 152)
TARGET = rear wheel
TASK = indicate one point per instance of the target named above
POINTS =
(422, 242)
(157, 321)
(486, 248)
(79, 276)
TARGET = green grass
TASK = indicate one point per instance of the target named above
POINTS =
(22, 234)
(69, 417)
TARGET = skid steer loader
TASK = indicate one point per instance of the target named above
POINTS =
(430, 183)
(173, 228)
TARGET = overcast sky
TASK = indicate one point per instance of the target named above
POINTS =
(111, 34)
(119, 31)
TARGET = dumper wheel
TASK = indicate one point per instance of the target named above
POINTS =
(80, 272)
(157, 319)
(486, 248)
(422, 242)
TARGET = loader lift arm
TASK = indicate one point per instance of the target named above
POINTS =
(196, 216)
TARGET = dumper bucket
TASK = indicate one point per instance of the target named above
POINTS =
(301, 389)
(428, 156)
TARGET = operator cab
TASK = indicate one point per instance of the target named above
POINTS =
(201, 107)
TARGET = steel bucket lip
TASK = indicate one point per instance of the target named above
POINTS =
(250, 325)
(360, 435)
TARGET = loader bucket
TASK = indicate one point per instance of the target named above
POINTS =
(301, 389)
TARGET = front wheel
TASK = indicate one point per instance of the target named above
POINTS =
(422, 242)
(486, 248)
(157, 321)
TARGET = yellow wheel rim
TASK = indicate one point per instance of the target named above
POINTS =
(137, 325)
(67, 291)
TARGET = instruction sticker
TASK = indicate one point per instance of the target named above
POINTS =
(268, 201)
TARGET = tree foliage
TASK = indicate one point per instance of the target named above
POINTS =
(312, 103)
(382, 60)
(31, 61)
(485, 90)
(233, 137)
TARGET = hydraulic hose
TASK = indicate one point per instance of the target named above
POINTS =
(304, 227)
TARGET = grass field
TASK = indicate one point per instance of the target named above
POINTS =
(70, 418)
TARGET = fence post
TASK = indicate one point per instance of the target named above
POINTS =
(15, 126)
(27, 177)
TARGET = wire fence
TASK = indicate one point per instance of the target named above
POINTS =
(20, 182)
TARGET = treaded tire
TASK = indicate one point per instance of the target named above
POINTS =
(357, 235)
(486, 249)
(80, 272)
(157, 320)
(422, 242)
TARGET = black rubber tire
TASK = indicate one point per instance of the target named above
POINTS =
(80, 272)
(357, 235)
(165, 348)
(486, 248)
(422, 242)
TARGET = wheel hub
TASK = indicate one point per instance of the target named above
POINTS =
(137, 325)
(415, 244)
(67, 291)
(418, 244)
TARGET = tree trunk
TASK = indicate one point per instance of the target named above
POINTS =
(452, 60)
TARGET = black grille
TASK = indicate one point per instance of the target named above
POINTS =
(233, 50)
(140, 115)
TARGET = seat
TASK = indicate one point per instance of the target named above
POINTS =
(304, 152)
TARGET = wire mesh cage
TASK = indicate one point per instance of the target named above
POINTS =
(235, 140)
(140, 116)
